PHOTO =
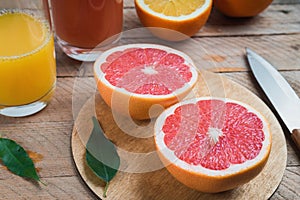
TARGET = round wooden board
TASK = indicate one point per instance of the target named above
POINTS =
(159, 184)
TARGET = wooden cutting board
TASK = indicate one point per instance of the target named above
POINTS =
(156, 183)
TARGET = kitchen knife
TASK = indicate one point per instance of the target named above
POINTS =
(280, 93)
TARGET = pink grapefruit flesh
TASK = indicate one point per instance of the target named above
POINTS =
(146, 71)
(215, 138)
(147, 74)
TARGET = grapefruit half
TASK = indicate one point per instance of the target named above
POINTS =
(185, 17)
(140, 80)
(212, 144)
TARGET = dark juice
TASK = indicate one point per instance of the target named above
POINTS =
(87, 23)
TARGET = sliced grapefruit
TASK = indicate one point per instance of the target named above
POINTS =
(133, 78)
(241, 8)
(185, 17)
(212, 144)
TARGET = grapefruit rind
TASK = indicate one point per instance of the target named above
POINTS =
(134, 104)
(204, 179)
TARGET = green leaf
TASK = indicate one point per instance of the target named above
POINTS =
(101, 155)
(15, 158)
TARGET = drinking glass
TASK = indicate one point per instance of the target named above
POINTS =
(84, 27)
(27, 57)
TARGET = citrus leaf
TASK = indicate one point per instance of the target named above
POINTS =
(15, 158)
(103, 171)
(101, 155)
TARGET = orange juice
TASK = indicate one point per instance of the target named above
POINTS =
(27, 59)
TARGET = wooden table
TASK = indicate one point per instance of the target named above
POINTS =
(275, 34)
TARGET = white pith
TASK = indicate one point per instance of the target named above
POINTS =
(188, 61)
(170, 156)
(149, 70)
(214, 134)
(194, 14)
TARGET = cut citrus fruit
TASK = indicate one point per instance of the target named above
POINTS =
(185, 17)
(241, 8)
(212, 144)
(133, 78)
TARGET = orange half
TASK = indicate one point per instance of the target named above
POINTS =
(182, 18)
(241, 8)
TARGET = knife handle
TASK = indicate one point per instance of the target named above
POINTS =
(296, 137)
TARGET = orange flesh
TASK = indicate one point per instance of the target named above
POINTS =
(174, 7)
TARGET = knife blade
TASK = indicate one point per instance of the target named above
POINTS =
(282, 96)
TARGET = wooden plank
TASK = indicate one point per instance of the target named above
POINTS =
(86, 86)
(286, 2)
(219, 54)
(73, 188)
(290, 185)
(52, 141)
(48, 143)
(63, 96)
(51, 138)
(56, 113)
(247, 80)
(228, 54)
(59, 108)
(69, 94)
(55, 188)
(277, 19)
(130, 3)
(66, 66)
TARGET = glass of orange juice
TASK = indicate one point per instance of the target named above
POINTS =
(27, 57)
(84, 28)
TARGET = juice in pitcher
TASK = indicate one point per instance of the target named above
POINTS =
(27, 63)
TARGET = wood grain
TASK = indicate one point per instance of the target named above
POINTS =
(59, 109)
(296, 137)
(130, 3)
(286, 2)
(277, 19)
(261, 187)
(281, 50)
(56, 188)
(51, 140)
(290, 185)
(274, 34)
